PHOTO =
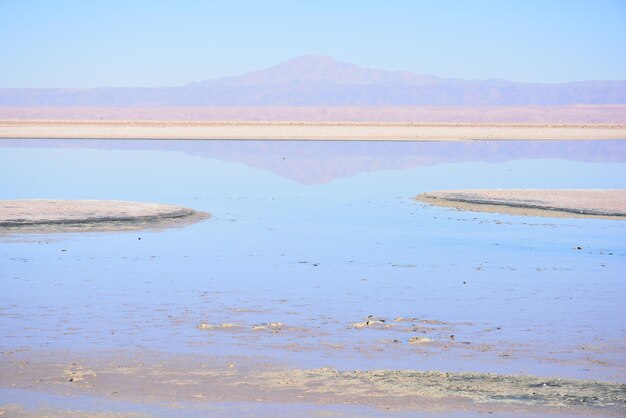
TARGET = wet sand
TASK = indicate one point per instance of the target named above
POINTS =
(43, 215)
(345, 131)
(149, 377)
(605, 204)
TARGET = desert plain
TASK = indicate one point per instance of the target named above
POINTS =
(411, 123)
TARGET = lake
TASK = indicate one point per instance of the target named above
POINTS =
(318, 236)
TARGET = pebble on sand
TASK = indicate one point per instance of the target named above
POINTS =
(419, 340)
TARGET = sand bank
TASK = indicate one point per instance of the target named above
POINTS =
(398, 131)
(40, 215)
(195, 379)
(607, 204)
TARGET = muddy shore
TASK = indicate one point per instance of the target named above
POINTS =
(604, 204)
(149, 377)
(43, 215)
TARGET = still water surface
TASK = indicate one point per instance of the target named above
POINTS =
(318, 236)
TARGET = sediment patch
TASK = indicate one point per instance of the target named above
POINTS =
(42, 215)
(606, 204)
(151, 377)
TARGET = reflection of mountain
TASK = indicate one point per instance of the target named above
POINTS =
(322, 162)
(322, 81)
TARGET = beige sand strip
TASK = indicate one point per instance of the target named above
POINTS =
(606, 204)
(58, 129)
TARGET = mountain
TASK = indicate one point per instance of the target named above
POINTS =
(320, 69)
(321, 81)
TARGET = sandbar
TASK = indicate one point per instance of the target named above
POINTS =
(302, 130)
(46, 215)
(590, 203)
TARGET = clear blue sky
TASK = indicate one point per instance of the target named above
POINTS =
(92, 43)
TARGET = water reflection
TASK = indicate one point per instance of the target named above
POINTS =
(322, 162)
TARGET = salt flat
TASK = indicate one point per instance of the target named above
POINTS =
(331, 131)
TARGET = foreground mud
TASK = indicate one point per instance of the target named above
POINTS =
(605, 204)
(41, 215)
(150, 377)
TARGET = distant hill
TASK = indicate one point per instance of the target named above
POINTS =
(321, 81)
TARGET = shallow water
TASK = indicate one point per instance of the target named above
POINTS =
(318, 236)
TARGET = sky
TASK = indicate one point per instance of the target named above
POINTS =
(167, 43)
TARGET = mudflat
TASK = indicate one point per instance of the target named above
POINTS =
(607, 204)
(150, 376)
(43, 215)
(298, 130)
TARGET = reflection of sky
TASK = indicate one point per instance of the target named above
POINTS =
(377, 252)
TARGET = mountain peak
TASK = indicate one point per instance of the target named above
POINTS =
(321, 69)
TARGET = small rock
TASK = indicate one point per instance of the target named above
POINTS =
(275, 326)
(204, 325)
(368, 323)
(419, 340)
(403, 319)
(78, 375)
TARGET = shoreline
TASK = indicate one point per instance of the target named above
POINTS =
(559, 203)
(303, 130)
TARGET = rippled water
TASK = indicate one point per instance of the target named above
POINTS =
(318, 236)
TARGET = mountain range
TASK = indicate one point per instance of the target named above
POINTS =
(321, 81)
